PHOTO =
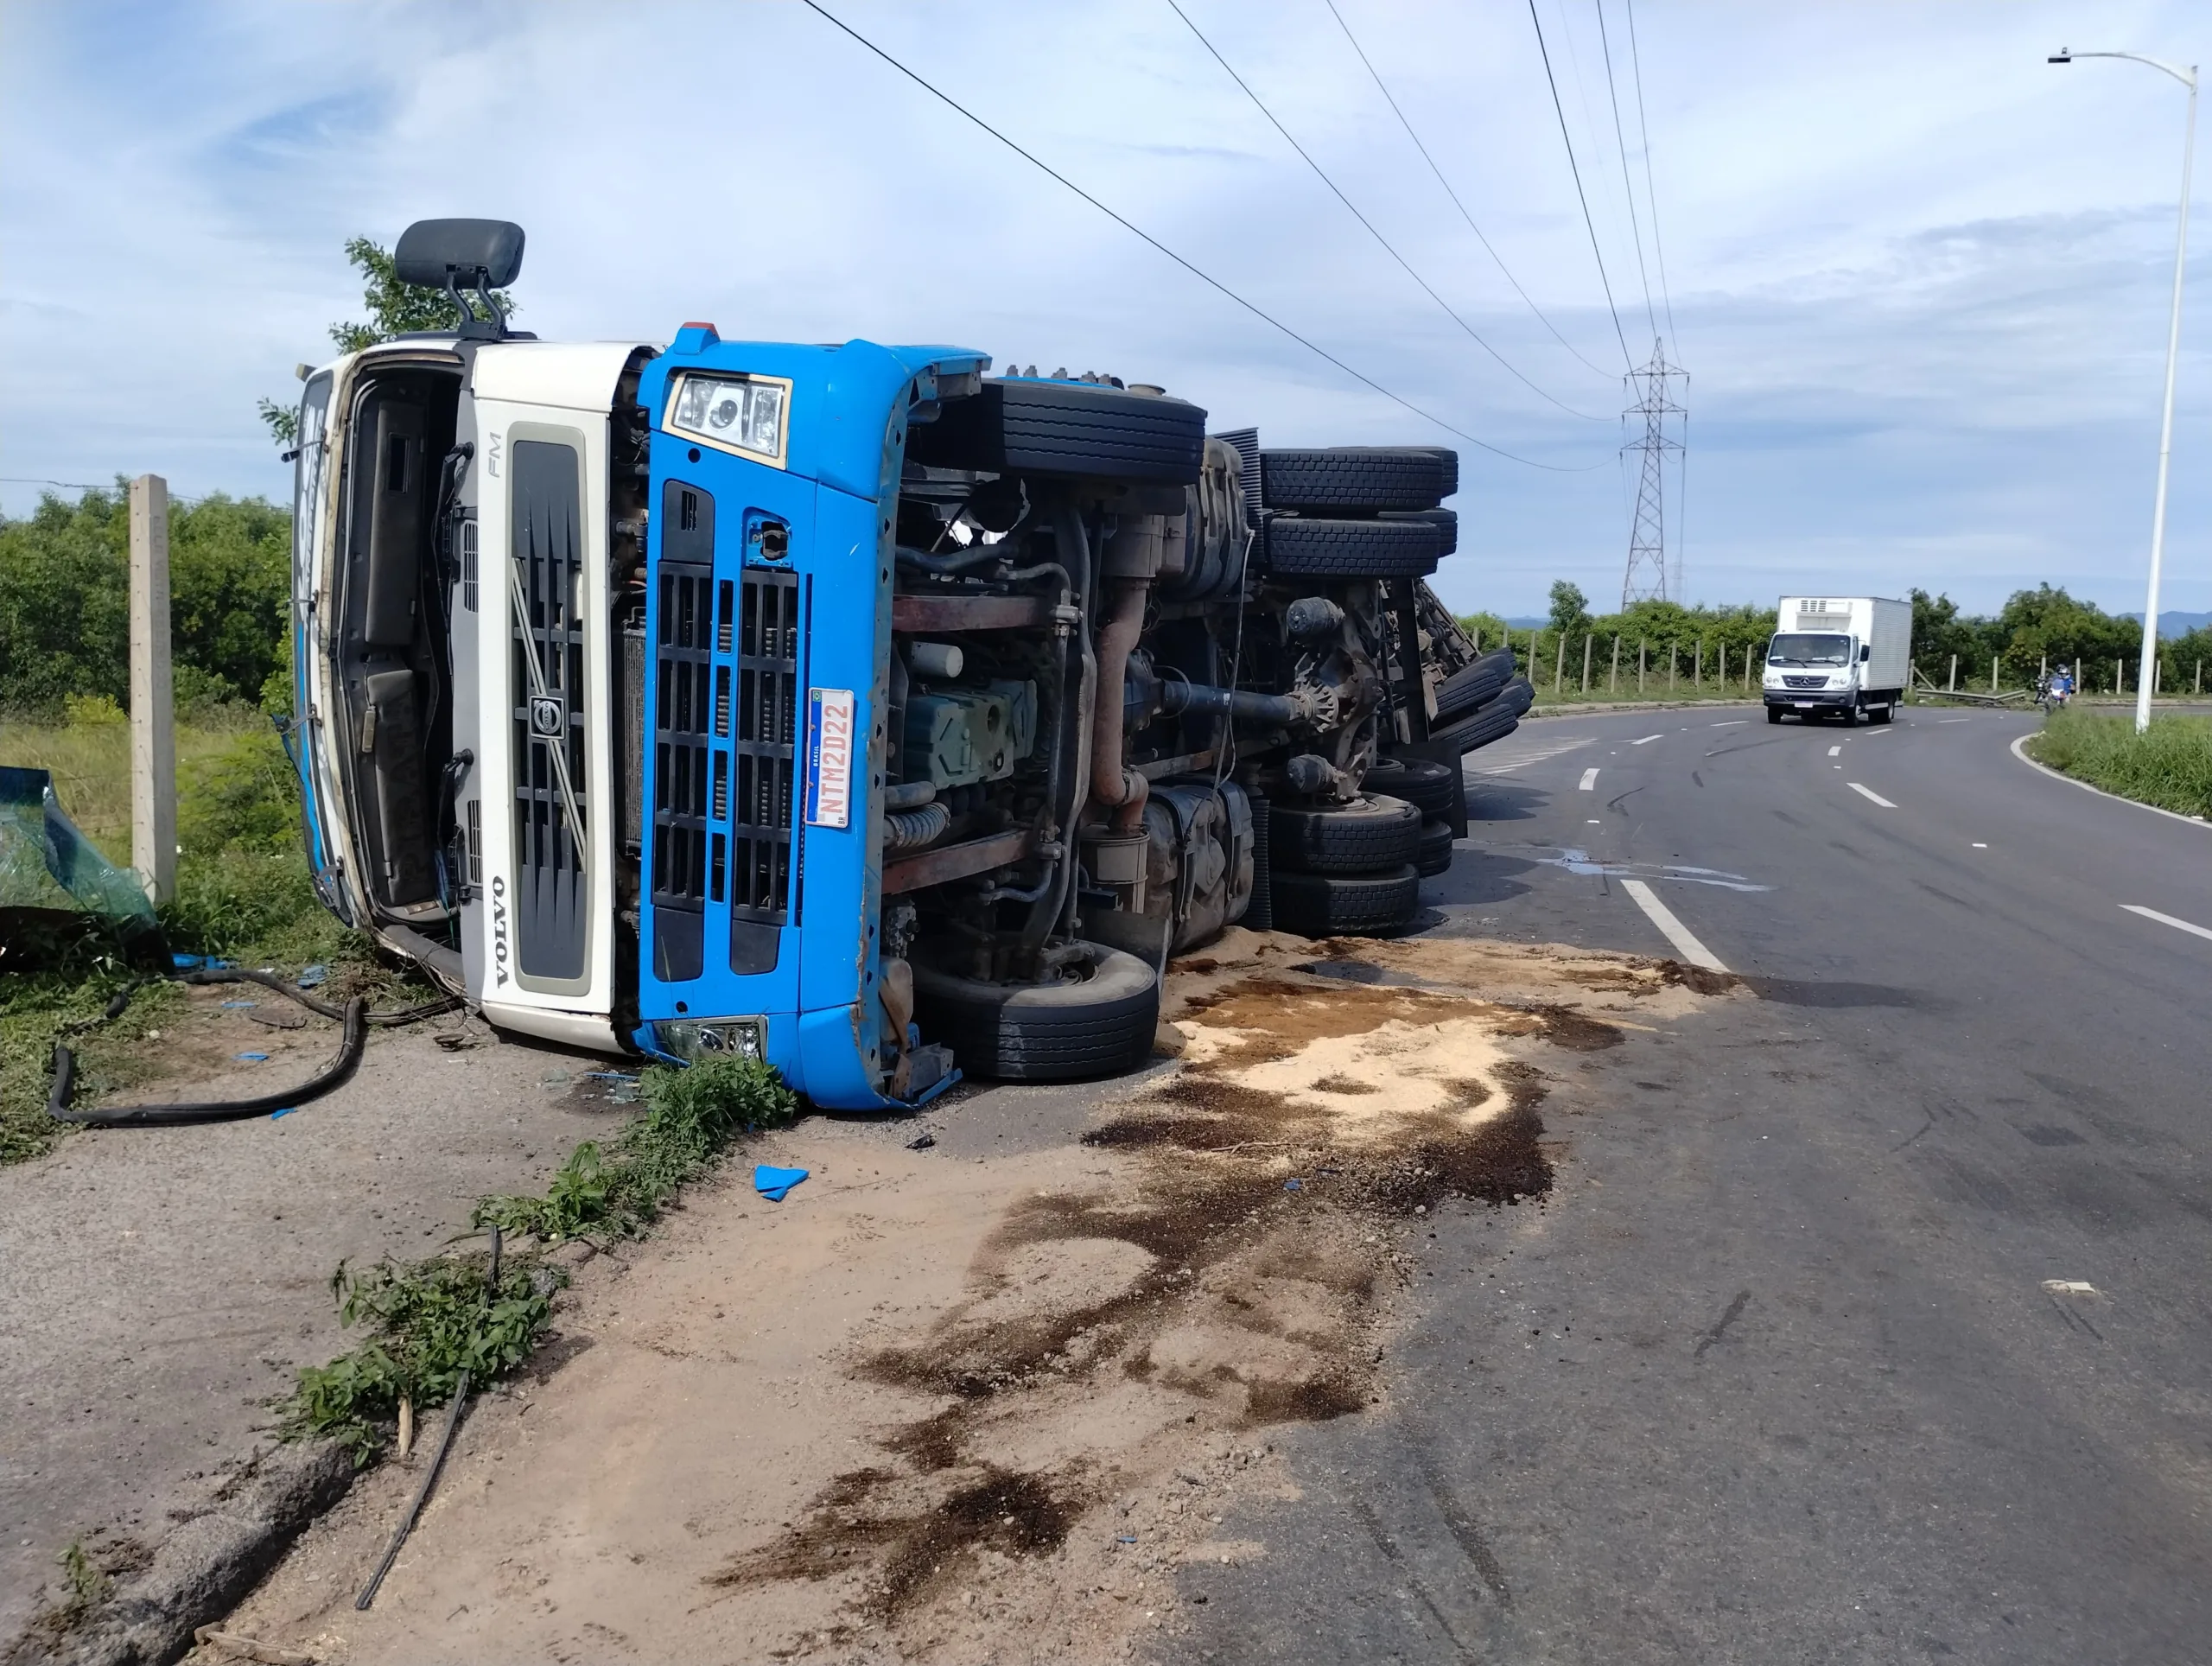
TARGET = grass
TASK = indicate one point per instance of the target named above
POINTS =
(428, 1323)
(691, 1115)
(2168, 765)
(243, 892)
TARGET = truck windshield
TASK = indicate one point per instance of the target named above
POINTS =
(1804, 648)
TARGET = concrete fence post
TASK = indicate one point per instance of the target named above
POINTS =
(153, 707)
(1697, 665)
(1952, 686)
(1558, 665)
(1586, 664)
(1673, 654)
(1642, 654)
(1613, 682)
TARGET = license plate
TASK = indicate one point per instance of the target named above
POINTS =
(829, 757)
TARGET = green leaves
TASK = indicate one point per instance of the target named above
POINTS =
(431, 1323)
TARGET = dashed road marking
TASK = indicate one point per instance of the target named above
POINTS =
(1954, 720)
(1869, 792)
(1589, 781)
(1649, 739)
(1732, 723)
(1685, 941)
(1978, 845)
(2165, 920)
(1835, 751)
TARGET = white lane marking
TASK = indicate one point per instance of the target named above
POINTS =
(2171, 814)
(1686, 944)
(1517, 753)
(1649, 739)
(1835, 751)
(1940, 720)
(1733, 722)
(1978, 845)
(1876, 734)
(2069, 1286)
(2165, 920)
(1869, 792)
(1595, 822)
(1589, 781)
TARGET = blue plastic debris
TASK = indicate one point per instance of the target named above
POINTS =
(197, 962)
(1126, 1538)
(253, 1058)
(313, 976)
(773, 1183)
(232, 1005)
(1293, 1186)
(287, 1111)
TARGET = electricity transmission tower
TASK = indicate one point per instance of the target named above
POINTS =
(1650, 577)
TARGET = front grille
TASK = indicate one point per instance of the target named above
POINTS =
(725, 727)
(1804, 682)
(763, 750)
(682, 710)
(546, 683)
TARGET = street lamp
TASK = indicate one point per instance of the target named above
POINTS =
(2149, 672)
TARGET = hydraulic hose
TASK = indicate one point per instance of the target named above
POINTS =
(1073, 547)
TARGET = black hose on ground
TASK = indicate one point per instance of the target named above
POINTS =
(354, 1015)
(334, 1076)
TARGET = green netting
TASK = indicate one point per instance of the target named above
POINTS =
(55, 887)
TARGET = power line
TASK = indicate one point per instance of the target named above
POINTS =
(1628, 180)
(1650, 195)
(1450, 193)
(1590, 224)
(1372, 232)
(1206, 278)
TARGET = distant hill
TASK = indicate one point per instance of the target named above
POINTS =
(2174, 623)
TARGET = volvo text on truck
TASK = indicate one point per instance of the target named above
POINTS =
(849, 707)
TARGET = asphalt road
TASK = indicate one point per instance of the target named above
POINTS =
(1778, 1373)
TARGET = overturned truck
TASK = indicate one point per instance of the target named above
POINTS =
(850, 707)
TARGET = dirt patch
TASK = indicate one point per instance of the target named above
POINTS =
(943, 1409)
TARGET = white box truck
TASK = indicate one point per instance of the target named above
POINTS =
(1846, 656)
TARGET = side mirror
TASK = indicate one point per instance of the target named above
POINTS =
(1865, 652)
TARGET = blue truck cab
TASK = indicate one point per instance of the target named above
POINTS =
(775, 477)
(852, 707)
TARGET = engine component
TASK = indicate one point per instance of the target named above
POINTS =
(910, 829)
(939, 661)
(1311, 620)
(955, 737)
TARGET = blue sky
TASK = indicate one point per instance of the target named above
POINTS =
(1919, 276)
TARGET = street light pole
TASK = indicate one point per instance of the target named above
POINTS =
(2149, 670)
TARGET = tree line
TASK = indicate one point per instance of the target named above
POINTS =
(2037, 628)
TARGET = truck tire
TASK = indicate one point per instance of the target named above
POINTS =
(1075, 429)
(1369, 833)
(1493, 720)
(1425, 785)
(1342, 905)
(1774, 714)
(1299, 548)
(1882, 713)
(1446, 521)
(1473, 685)
(1369, 478)
(1101, 1025)
(1435, 855)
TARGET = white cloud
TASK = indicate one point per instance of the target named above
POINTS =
(1919, 275)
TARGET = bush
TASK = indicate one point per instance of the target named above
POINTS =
(2168, 765)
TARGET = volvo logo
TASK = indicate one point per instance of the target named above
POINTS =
(546, 717)
(499, 951)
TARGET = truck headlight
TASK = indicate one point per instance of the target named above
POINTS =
(736, 413)
(694, 1039)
